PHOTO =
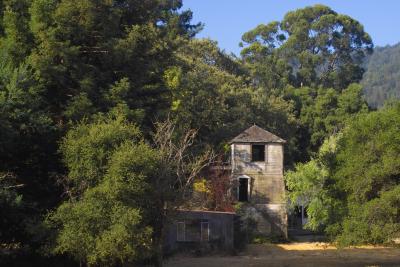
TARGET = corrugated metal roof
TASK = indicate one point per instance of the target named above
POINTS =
(255, 134)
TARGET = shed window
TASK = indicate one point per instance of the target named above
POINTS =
(258, 153)
(205, 231)
(180, 231)
(192, 231)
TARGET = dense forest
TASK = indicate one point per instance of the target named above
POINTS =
(111, 109)
(381, 80)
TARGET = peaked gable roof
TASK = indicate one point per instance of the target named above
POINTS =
(255, 134)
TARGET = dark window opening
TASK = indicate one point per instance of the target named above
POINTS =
(258, 153)
(243, 189)
(298, 217)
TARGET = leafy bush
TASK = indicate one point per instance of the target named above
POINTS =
(376, 222)
(105, 223)
(352, 187)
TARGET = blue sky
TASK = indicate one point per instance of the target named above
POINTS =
(226, 20)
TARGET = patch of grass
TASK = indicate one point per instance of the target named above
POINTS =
(263, 239)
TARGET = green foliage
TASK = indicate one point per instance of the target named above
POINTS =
(16, 42)
(312, 59)
(112, 169)
(12, 227)
(95, 55)
(246, 230)
(309, 185)
(27, 133)
(78, 79)
(375, 222)
(367, 159)
(352, 186)
(100, 229)
(79, 107)
(313, 46)
(63, 61)
(87, 149)
(27, 136)
(324, 112)
(215, 97)
(368, 171)
(207, 97)
(22, 111)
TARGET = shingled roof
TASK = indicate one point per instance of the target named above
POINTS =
(255, 134)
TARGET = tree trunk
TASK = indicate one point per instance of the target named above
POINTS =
(159, 237)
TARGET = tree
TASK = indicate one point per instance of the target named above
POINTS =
(67, 61)
(179, 166)
(12, 225)
(351, 187)
(16, 39)
(211, 93)
(121, 191)
(87, 149)
(368, 171)
(324, 112)
(313, 46)
(95, 56)
(27, 153)
(27, 134)
(311, 185)
(104, 220)
(206, 92)
(62, 61)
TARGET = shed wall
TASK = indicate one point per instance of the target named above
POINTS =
(221, 231)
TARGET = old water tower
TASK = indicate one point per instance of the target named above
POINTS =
(257, 173)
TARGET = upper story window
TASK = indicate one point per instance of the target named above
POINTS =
(257, 152)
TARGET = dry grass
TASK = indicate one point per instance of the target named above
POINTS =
(298, 254)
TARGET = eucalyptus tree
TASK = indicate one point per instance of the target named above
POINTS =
(313, 46)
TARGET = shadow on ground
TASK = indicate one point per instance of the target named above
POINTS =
(301, 254)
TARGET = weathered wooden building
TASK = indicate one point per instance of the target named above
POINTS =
(257, 180)
(257, 173)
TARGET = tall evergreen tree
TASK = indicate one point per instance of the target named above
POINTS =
(93, 56)
(313, 46)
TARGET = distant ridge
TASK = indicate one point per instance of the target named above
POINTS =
(381, 80)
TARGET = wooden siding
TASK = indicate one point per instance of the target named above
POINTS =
(266, 185)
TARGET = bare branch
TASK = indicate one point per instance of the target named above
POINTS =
(180, 168)
(14, 186)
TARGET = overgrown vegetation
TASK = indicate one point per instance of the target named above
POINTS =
(110, 110)
(351, 187)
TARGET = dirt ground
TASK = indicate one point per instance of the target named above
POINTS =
(302, 254)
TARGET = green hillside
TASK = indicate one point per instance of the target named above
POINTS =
(381, 81)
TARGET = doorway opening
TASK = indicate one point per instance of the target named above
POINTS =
(243, 190)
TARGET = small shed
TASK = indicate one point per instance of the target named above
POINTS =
(199, 229)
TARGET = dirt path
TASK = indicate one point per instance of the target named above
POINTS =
(297, 254)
